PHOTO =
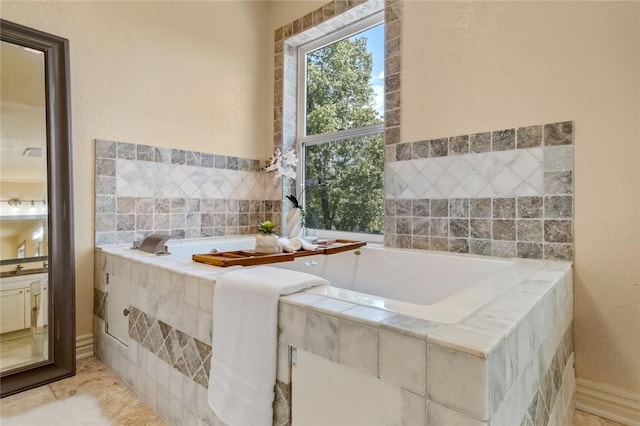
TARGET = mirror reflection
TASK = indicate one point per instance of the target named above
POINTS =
(23, 208)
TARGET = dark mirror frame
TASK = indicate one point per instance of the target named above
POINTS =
(62, 329)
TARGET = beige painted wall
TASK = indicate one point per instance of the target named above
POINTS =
(7, 251)
(14, 232)
(478, 66)
(175, 74)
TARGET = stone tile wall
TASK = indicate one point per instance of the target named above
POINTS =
(506, 193)
(142, 189)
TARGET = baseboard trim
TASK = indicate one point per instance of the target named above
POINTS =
(613, 405)
(84, 346)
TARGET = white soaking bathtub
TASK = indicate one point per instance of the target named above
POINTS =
(439, 287)
(496, 341)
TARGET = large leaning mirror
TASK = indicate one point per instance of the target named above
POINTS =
(37, 314)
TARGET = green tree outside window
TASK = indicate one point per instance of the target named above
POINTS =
(343, 179)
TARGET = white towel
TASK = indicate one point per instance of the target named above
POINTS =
(306, 245)
(245, 341)
(295, 244)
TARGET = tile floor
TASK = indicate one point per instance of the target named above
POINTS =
(124, 408)
(17, 348)
(580, 418)
(117, 400)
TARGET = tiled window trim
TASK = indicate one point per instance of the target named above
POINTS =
(536, 227)
(325, 19)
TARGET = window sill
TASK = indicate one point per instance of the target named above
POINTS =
(356, 236)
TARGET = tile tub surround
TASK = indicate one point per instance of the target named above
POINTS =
(510, 359)
(506, 193)
(142, 189)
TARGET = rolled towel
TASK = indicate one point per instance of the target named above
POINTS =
(286, 245)
(306, 245)
(296, 243)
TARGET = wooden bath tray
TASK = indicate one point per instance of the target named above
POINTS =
(251, 258)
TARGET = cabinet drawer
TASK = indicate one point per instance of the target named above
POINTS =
(12, 310)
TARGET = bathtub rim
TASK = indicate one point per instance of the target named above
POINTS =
(452, 309)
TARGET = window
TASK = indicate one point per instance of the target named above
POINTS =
(340, 131)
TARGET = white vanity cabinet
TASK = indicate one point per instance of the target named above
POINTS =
(16, 301)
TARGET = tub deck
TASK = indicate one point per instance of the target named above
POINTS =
(495, 361)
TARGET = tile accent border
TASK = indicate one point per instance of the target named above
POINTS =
(525, 227)
(506, 193)
(142, 189)
(106, 149)
(282, 404)
(541, 407)
(185, 353)
(99, 303)
(554, 134)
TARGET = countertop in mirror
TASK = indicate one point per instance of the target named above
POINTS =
(8, 274)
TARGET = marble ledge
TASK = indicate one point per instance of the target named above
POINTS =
(464, 340)
(409, 326)
(176, 264)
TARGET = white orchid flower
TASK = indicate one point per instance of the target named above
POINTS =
(290, 157)
(283, 164)
(289, 172)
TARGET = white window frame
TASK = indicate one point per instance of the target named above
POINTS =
(302, 139)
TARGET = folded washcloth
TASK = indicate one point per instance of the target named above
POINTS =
(306, 245)
(290, 245)
(245, 341)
